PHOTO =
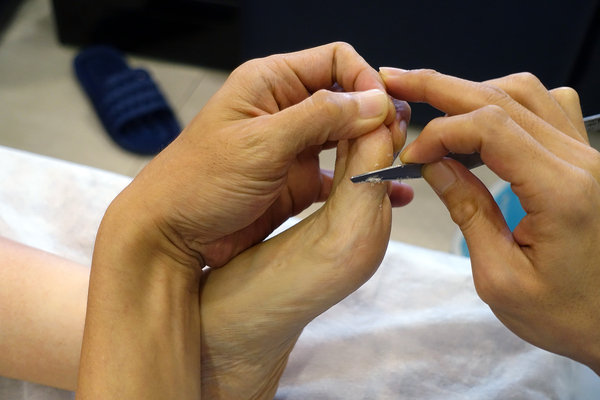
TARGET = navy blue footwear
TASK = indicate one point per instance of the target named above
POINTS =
(130, 105)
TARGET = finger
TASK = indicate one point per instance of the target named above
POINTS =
(569, 101)
(486, 233)
(267, 85)
(321, 67)
(527, 90)
(325, 116)
(504, 146)
(458, 96)
(447, 93)
(400, 194)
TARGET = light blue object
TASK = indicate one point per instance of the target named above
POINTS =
(509, 205)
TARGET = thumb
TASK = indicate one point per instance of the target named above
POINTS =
(328, 116)
(474, 210)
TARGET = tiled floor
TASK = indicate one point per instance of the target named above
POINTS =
(43, 110)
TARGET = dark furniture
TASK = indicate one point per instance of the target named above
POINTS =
(559, 41)
(7, 11)
(190, 31)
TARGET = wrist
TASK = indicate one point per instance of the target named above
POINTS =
(135, 230)
(143, 317)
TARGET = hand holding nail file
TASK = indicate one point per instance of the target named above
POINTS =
(542, 277)
(413, 171)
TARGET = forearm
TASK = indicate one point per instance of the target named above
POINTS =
(42, 312)
(142, 327)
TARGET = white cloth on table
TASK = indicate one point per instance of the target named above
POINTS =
(416, 330)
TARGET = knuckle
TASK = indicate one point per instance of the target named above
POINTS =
(324, 112)
(427, 75)
(249, 67)
(526, 79)
(465, 212)
(328, 103)
(492, 116)
(567, 94)
(522, 85)
(250, 64)
(343, 49)
(343, 46)
(428, 72)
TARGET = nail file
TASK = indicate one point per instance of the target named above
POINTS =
(412, 171)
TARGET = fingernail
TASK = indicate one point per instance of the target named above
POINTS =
(406, 155)
(391, 71)
(440, 176)
(372, 103)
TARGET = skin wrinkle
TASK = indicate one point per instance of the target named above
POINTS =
(333, 79)
(425, 88)
(282, 89)
(239, 103)
(298, 74)
(496, 96)
(307, 92)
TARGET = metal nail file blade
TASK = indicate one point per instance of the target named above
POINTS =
(408, 171)
(412, 171)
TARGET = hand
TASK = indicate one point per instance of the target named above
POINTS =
(249, 160)
(243, 166)
(543, 279)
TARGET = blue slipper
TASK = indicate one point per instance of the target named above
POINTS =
(130, 105)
